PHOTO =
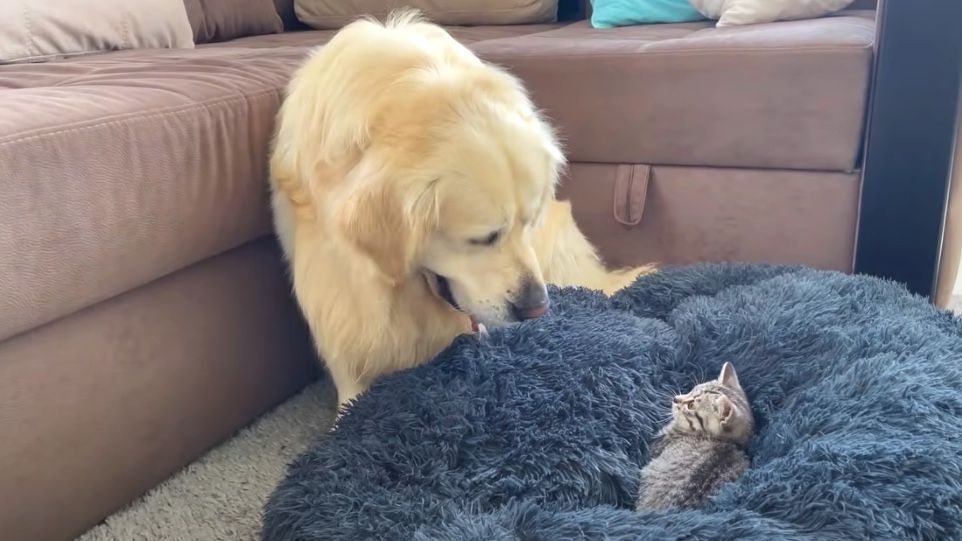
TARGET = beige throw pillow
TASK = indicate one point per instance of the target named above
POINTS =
(742, 12)
(36, 30)
(326, 14)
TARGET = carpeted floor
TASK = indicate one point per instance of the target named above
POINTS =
(220, 496)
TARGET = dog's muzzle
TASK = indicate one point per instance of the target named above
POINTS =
(531, 302)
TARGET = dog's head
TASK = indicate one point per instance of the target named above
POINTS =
(494, 180)
(449, 166)
(453, 195)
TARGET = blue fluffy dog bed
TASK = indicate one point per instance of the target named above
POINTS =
(539, 431)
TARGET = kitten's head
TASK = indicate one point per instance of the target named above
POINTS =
(717, 409)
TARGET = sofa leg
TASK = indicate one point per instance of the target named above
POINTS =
(910, 141)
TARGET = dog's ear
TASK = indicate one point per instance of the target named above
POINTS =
(389, 221)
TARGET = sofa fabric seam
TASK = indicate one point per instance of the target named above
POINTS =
(132, 117)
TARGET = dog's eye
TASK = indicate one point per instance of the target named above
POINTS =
(487, 241)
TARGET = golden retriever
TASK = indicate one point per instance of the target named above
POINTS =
(413, 195)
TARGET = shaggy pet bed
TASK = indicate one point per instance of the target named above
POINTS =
(539, 431)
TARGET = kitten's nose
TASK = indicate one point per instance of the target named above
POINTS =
(677, 399)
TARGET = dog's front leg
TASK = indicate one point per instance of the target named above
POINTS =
(347, 385)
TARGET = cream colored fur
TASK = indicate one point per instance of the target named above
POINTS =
(401, 157)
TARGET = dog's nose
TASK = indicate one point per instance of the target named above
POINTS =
(531, 302)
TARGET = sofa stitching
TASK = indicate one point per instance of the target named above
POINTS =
(134, 116)
(125, 23)
(31, 39)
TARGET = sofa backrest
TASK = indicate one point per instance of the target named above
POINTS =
(568, 10)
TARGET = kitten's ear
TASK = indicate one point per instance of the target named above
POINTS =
(728, 378)
(725, 409)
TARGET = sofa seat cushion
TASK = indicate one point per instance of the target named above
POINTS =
(787, 95)
(120, 168)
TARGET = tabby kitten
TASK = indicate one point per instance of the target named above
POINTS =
(702, 447)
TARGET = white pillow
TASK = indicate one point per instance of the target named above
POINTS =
(739, 12)
(37, 30)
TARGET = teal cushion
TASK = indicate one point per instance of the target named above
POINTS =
(611, 13)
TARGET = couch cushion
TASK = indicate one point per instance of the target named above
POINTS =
(32, 31)
(785, 95)
(337, 13)
(612, 13)
(740, 12)
(120, 168)
(221, 20)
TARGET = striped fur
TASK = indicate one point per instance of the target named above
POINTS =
(702, 448)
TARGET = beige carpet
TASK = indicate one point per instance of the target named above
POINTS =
(220, 496)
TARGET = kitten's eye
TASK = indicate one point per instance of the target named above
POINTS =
(690, 405)
(488, 240)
